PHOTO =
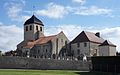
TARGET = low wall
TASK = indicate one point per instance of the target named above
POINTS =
(34, 63)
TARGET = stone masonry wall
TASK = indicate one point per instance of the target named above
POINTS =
(46, 64)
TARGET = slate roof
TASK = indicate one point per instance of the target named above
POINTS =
(88, 37)
(34, 20)
(107, 43)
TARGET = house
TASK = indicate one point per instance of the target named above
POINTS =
(36, 44)
(91, 44)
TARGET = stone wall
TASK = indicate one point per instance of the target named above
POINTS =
(34, 63)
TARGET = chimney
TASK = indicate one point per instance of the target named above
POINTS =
(98, 34)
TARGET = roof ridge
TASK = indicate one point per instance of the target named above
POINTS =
(107, 42)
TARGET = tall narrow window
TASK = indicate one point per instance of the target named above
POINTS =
(36, 27)
(40, 28)
(78, 44)
(78, 51)
(26, 28)
(65, 42)
(30, 27)
(85, 44)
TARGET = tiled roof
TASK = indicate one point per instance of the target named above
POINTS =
(107, 43)
(88, 37)
(93, 38)
(28, 46)
(46, 39)
(34, 20)
(41, 40)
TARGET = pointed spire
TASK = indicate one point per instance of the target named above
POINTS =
(34, 20)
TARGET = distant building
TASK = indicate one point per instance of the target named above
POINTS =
(36, 44)
(91, 44)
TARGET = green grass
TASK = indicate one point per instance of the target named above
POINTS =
(45, 72)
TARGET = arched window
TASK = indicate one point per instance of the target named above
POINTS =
(36, 27)
(40, 28)
(30, 27)
(26, 28)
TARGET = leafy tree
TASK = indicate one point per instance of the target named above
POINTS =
(117, 53)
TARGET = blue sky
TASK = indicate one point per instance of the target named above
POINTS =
(70, 16)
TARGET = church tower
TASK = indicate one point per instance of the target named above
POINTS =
(33, 29)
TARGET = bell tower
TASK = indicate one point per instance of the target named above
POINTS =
(33, 29)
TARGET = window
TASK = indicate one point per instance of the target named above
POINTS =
(61, 40)
(85, 44)
(36, 27)
(78, 44)
(30, 27)
(46, 50)
(38, 51)
(72, 53)
(66, 43)
(40, 28)
(78, 51)
(26, 28)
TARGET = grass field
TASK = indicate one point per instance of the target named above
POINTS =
(45, 72)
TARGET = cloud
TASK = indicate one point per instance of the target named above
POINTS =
(15, 10)
(93, 10)
(79, 1)
(10, 36)
(53, 11)
(59, 11)
(70, 30)
(1, 23)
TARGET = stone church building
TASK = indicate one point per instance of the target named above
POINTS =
(36, 44)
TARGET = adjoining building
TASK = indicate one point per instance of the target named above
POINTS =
(36, 44)
(91, 44)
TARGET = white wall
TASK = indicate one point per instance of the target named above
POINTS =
(112, 51)
(104, 50)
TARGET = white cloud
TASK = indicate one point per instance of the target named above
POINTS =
(1, 23)
(70, 30)
(10, 36)
(93, 10)
(79, 1)
(15, 10)
(53, 11)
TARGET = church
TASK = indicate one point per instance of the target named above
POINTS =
(37, 45)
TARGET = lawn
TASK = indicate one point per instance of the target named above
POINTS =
(45, 72)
